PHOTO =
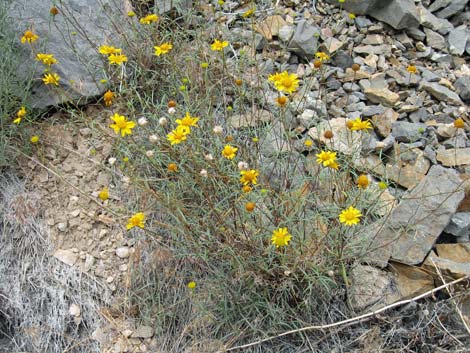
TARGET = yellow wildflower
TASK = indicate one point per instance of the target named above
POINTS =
(46, 59)
(104, 194)
(137, 220)
(359, 125)
(326, 158)
(229, 152)
(149, 19)
(192, 285)
(322, 56)
(285, 82)
(459, 123)
(281, 101)
(117, 59)
(188, 121)
(249, 12)
(281, 237)
(362, 181)
(131, 14)
(108, 50)
(108, 98)
(350, 216)
(163, 48)
(51, 79)
(411, 69)
(248, 177)
(34, 139)
(178, 135)
(308, 143)
(121, 125)
(218, 45)
(29, 37)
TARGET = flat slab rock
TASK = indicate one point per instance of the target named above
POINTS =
(79, 65)
(414, 225)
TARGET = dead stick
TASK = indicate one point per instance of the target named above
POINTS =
(354, 319)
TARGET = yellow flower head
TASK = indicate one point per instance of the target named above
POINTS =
(178, 135)
(249, 12)
(362, 181)
(326, 158)
(51, 79)
(149, 19)
(29, 37)
(281, 101)
(249, 177)
(322, 56)
(137, 220)
(352, 16)
(17, 120)
(285, 82)
(117, 59)
(308, 143)
(108, 98)
(192, 285)
(218, 45)
(188, 121)
(122, 125)
(350, 216)
(46, 59)
(229, 152)
(359, 125)
(34, 139)
(104, 194)
(108, 50)
(281, 237)
(21, 113)
(459, 123)
(163, 48)
(412, 69)
(131, 14)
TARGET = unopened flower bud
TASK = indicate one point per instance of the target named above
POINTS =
(153, 138)
(142, 121)
(163, 121)
(149, 153)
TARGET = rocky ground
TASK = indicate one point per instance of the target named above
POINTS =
(415, 146)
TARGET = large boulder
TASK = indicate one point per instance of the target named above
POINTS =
(397, 13)
(73, 36)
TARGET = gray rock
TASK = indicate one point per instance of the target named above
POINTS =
(430, 154)
(421, 115)
(143, 332)
(427, 19)
(459, 224)
(182, 6)
(342, 59)
(462, 86)
(416, 33)
(414, 225)
(243, 36)
(285, 33)
(371, 287)
(404, 131)
(79, 65)
(275, 141)
(305, 39)
(399, 14)
(453, 8)
(383, 49)
(372, 110)
(362, 22)
(435, 40)
(458, 39)
(429, 75)
(438, 4)
(441, 93)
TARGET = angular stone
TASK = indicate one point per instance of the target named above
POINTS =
(462, 86)
(456, 265)
(435, 40)
(143, 332)
(68, 257)
(459, 225)
(342, 59)
(382, 96)
(371, 287)
(384, 49)
(414, 225)
(399, 14)
(410, 280)
(270, 26)
(408, 173)
(305, 39)
(249, 119)
(404, 131)
(383, 122)
(79, 64)
(454, 156)
(442, 93)
(458, 39)
(427, 19)
(454, 7)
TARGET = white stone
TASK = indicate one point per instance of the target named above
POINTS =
(122, 252)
